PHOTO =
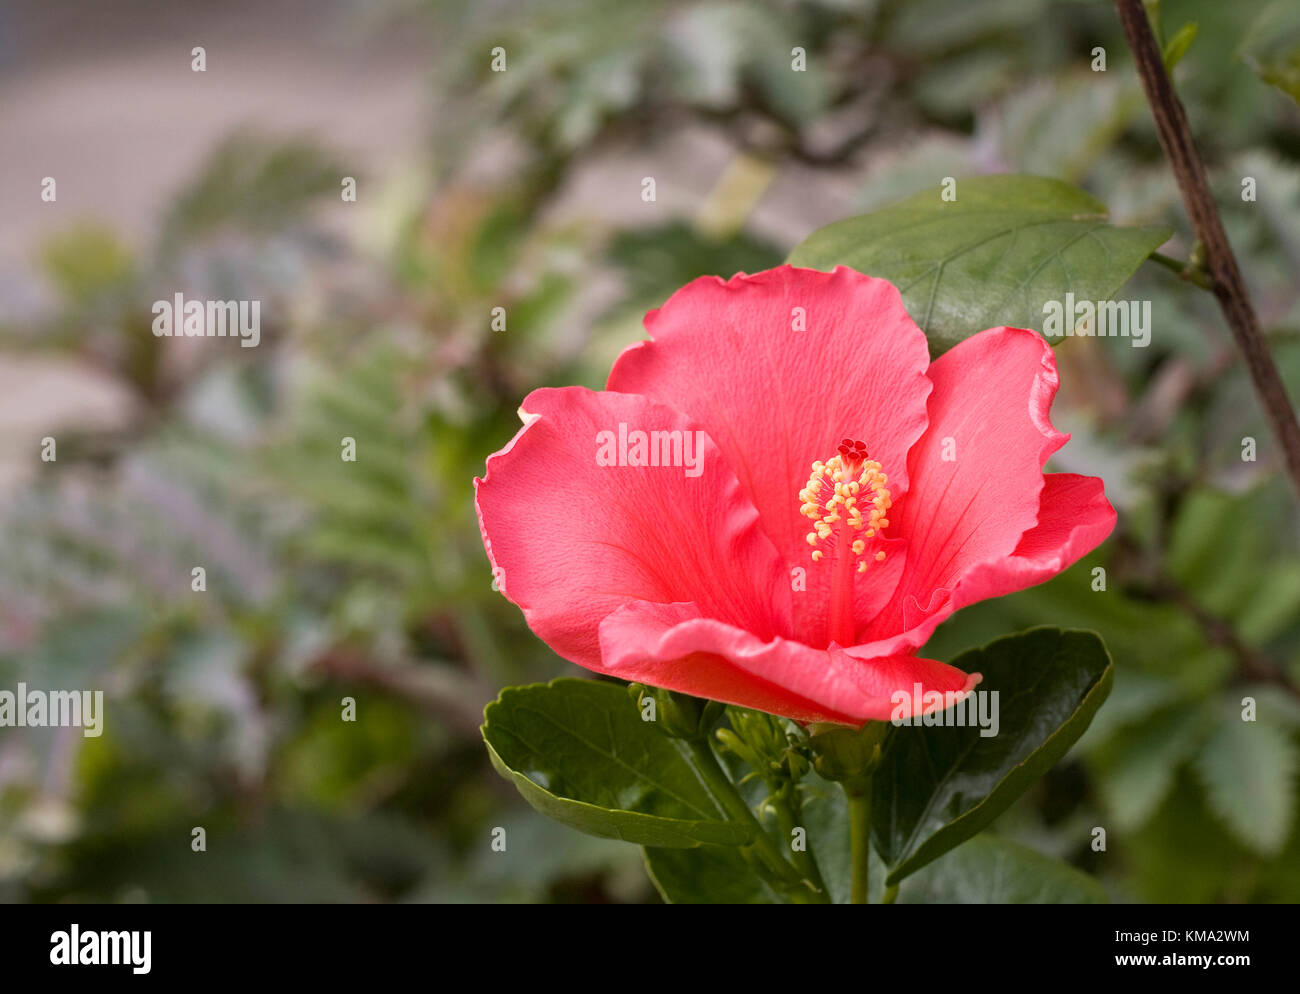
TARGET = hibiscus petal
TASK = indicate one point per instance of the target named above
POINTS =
(1075, 518)
(575, 539)
(776, 399)
(674, 646)
(976, 474)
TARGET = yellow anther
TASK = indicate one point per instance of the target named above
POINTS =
(848, 491)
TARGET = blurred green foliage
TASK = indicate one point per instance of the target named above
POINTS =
(329, 579)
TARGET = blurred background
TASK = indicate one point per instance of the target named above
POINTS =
(522, 189)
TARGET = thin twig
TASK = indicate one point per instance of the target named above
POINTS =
(1225, 277)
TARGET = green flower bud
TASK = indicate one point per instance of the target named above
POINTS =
(849, 755)
(678, 715)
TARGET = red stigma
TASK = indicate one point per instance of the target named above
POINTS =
(853, 451)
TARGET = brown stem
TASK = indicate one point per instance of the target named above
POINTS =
(1225, 278)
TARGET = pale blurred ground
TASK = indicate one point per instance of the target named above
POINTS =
(102, 98)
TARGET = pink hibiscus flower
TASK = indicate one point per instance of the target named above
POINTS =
(779, 497)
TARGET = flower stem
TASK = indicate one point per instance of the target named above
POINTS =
(781, 873)
(789, 811)
(859, 841)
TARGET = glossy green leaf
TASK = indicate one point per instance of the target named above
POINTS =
(938, 786)
(992, 870)
(579, 752)
(994, 256)
(706, 875)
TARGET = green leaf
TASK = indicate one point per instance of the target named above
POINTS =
(88, 263)
(1185, 856)
(706, 875)
(654, 262)
(579, 752)
(1062, 126)
(992, 870)
(1224, 578)
(1272, 47)
(254, 183)
(1006, 246)
(1179, 44)
(938, 786)
(1140, 762)
(1249, 768)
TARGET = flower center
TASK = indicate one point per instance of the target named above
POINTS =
(847, 501)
